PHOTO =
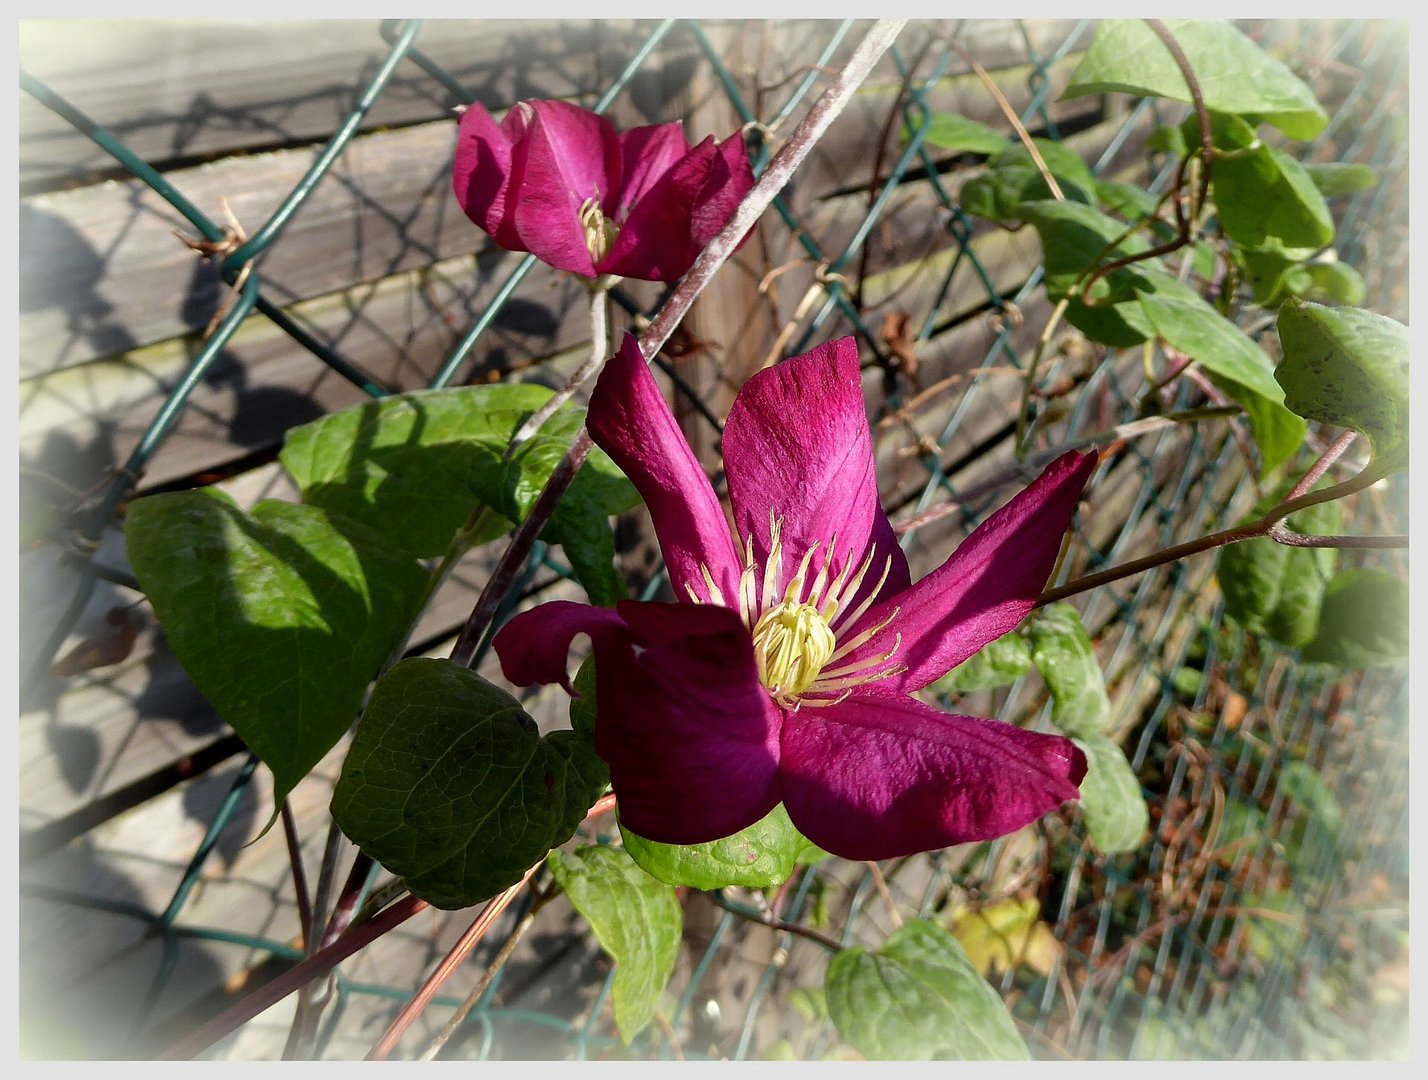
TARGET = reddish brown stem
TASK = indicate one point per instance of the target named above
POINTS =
(304, 901)
(1260, 527)
(444, 970)
(316, 965)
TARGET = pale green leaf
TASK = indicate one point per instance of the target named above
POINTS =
(919, 998)
(636, 919)
(1062, 652)
(1234, 74)
(1111, 798)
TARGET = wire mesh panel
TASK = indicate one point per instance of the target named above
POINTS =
(322, 262)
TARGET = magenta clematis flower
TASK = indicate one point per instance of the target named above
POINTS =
(558, 181)
(787, 672)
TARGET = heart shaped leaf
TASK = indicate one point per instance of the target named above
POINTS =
(451, 787)
(1235, 74)
(919, 998)
(1348, 367)
(281, 618)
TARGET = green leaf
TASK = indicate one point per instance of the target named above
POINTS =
(1111, 798)
(1013, 177)
(1276, 924)
(1364, 621)
(1235, 75)
(281, 618)
(1333, 281)
(1271, 269)
(1302, 783)
(1075, 238)
(1276, 590)
(1062, 652)
(636, 919)
(414, 467)
(919, 998)
(1264, 193)
(761, 855)
(451, 787)
(1227, 132)
(960, 135)
(1131, 201)
(1341, 177)
(1348, 367)
(582, 703)
(1169, 139)
(1244, 371)
(997, 663)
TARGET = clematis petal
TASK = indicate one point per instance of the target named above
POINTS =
(986, 587)
(568, 155)
(797, 441)
(534, 646)
(654, 242)
(629, 420)
(481, 167)
(729, 180)
(878, 777)
(647, 154)
(691, 738)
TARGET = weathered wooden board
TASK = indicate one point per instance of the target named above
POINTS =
(103, 272)
(190, 89)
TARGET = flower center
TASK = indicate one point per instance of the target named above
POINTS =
(600, 231)
(792, 642)
(810, 647)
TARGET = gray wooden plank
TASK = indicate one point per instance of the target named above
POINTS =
(184, 89)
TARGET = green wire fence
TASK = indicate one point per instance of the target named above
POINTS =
(1245, 924)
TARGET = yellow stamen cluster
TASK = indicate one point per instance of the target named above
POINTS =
(600, 231)
(799, 627)
(792, 642)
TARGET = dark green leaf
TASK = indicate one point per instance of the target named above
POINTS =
(1341, 177)
(1364, 621)
(998, 663)
(1062, 652)
(582, 704)
(1235, 74)
(1276, 590)
(451, 787)
(1013, 177)
(1169, 139)
(919, 998)
(415, 467)
(636, 919)
(961, 135)
(1130, 201)
(281, 618)
(1265, 194)
(1348, 367)
(1111, 798)
(1076, 238)
(1242, 368)
(761, 855)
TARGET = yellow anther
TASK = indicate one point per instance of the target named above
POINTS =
(792, 642)
(600, 231)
